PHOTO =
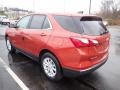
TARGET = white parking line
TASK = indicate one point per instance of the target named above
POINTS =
(14, 76)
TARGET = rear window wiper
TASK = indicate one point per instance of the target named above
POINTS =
(104, 33)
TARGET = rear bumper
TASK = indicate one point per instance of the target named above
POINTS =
(73, 73)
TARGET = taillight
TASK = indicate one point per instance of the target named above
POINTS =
(83, 42)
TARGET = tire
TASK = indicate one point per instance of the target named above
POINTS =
(51, 67)
(9, 46)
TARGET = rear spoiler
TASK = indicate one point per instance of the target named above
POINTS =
(90, 18)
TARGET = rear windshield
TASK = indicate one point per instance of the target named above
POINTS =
(82, 25)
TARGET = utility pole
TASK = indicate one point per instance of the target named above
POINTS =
(90, 7)
(33, 5)
(64, 6)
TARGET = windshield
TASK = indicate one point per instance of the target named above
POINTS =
(82, 25)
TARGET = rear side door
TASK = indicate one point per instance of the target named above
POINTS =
(37, 35)
(21, 25)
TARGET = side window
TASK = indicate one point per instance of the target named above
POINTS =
(23, 23)
(46, 24)
(37, 21)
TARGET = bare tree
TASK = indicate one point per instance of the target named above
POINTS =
(110, 9)
(106, 8)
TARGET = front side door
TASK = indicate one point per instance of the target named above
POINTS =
(37, 34)
(21, 25)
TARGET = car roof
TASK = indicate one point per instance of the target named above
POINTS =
(66, 14)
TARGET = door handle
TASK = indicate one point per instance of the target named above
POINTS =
(42, 34)
(23, 38)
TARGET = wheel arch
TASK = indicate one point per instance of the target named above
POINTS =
(45, 51)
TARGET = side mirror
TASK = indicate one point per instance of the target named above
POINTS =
(12, 26)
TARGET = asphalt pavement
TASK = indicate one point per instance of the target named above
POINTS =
(29, 72)
(6, 81)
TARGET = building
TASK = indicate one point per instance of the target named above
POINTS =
(14, 13)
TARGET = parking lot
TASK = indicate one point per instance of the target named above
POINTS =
(105, 78)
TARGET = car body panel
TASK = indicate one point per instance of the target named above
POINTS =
(57, 40)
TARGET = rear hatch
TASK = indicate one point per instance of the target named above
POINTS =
(88, 32)
(95, 30)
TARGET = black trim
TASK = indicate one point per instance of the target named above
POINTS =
(33, 57)
(73, 73)
(90, 18)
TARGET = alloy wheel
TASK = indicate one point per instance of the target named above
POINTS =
(49, 67)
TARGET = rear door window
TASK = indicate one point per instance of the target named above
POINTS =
(37, 21)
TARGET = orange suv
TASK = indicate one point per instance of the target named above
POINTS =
(63, 44)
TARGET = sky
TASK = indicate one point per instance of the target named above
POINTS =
(67, 6)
